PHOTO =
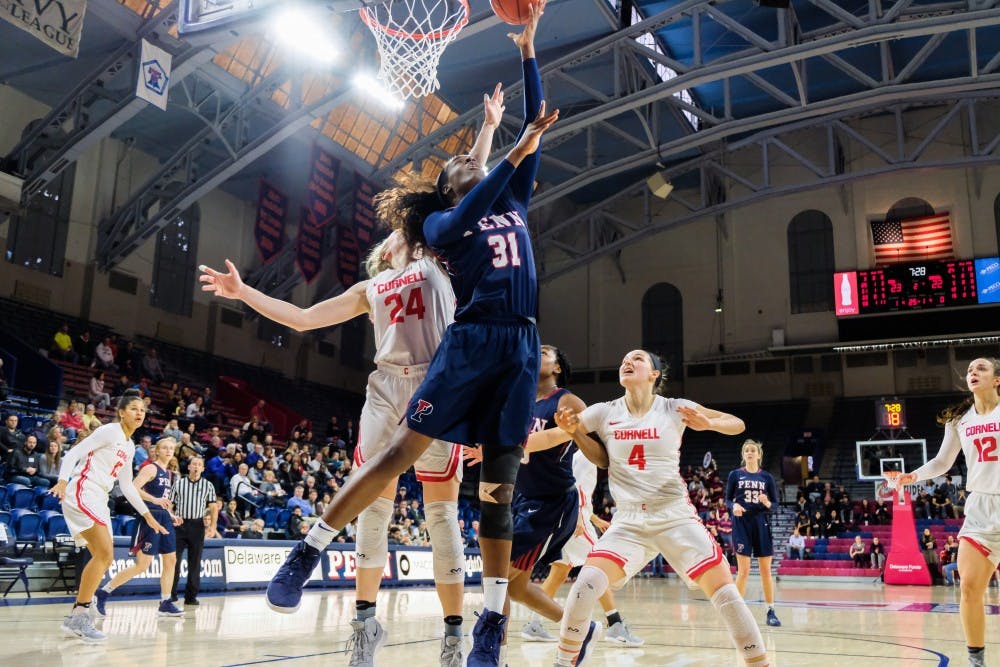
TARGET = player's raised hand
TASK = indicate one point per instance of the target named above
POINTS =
(532, 136)
(473, 456)
(493, 107)
(525, 40)
(227, 285)
(567, 419)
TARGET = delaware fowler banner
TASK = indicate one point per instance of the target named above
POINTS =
(58, 23)
(308, 254)
(269, 232)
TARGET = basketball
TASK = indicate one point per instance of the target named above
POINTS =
(514, 12)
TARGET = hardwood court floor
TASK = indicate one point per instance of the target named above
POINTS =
(825, 625)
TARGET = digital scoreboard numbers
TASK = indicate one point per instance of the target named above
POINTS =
(904, 287)
(890, 414)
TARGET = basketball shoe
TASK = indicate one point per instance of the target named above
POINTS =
(451, 652)
(772, 619)
(284, 593)
(168, 608)
(486, 639)
(587, 647)
(82, 627)
(100, 599)
(621, 633)
(368, 636)
(534, 631)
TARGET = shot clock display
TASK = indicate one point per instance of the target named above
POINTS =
(902, 287)
(890, 413)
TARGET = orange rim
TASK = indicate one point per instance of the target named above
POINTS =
(369, 19)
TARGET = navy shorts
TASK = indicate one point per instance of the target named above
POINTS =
(752, 535)
(150, 542)
(480, 386)
(542, 527)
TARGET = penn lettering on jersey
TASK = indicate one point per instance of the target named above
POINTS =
(752, 484)
(636, 434)
(509, 219)
(979, 429)
(538, 424)
(402, 281)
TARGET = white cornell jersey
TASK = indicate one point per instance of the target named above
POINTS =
(644, 452)
(100, 458)
(979, 435)
(585, 474)
(411, 307)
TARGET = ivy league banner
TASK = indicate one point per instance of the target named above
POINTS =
(269, 232)
(58, 23)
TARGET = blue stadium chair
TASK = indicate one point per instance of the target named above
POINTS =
(8, 521)
(20, 496)
(282, 519)
(50, 502)
(16, 568)
(270, 517)
(3, 498)
(55, 527)
(126, 523)
(27, 529)
(40, 493)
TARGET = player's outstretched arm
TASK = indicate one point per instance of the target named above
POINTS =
(700, 418)
(940, 464)
(493, 109)
(339, 309)
(570, 420)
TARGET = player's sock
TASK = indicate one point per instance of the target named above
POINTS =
(452, 626)
(320, 535)
(613, 617)
(975, 651)
(164, 598)
(363, 609)
(84, 607)
(495, 591)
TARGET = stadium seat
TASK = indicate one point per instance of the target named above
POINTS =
(3, 497)
(20, 496)
(125, 524)
(27, 529)
(16, 568)
(270, 516)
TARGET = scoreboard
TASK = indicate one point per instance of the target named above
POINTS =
(907, 287)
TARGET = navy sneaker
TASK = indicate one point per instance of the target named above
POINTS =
(100, 598)
(168, 608)
(772, 619)
(486, 639)
(589, 642)
(284, 593)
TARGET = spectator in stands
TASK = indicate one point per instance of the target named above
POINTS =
(211, 527)
(235, 436)
(84, 348)
(816, 525)
(864, 513)
(922, 505)
(104, 356)
(395, 535)
(254, 530)
(241, 488)
(333, 428)
(151, 366)
(56, 434)
(725, 523)
(877, 554)
(11, 438)
(949, 560)
(930, 549)
(142, 451)
(50, 462)
(844, 507)
(796, 545)
(349, 435)
(960, 504)
(24, 466)
(299, 429)
(473, 541)
(143, 387)
(257, 471)
(857, 552)
(881, 512)
(62, 345)
(814, 490)
(231, 518)
(801, 505)
(208, 403)
(196, 413)
(123, 385)
(415, 512)
(297, 500)
(832, 526)
(802, 523)
(260, 412)
(127, 356)
(273, 493)
(941, 507)
(72, 421)
(172, 430)
(293, 530)
(253, 428)
(188, 446)
(97, 393)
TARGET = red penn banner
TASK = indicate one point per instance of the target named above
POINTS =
(269, 231)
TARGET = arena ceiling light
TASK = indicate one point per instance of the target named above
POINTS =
(373, 88)
(307, 33)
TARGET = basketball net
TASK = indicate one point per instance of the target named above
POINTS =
(411, 36)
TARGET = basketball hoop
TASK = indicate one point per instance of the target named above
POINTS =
(884, 490)
(411, 36)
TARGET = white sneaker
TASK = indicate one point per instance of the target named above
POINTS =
(451, 652)
(368, 637)
(82, 627)
(621, 633)
(534, 631)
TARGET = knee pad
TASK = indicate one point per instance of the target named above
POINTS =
(499, 468)
(372, 548)
(496, 521)
(588, 588)
(446, 541)
(742, 627)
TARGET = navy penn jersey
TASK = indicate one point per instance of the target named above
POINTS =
(548, 473)
(162, 485)
(484, 241)
(745, 487)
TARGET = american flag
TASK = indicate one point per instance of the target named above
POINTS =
(914, 240)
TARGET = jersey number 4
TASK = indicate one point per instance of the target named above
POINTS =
(637, 457)
(414, 306)
(987, 449)
(505, 251)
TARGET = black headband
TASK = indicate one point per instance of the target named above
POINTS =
(655, 360)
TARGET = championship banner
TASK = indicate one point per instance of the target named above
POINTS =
(58, 23)
(321, 194)
(348, 256)
(364, 214)
(269, 232)
(154, 75)
(308, 255)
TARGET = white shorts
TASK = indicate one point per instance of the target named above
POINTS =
(637, 535)
(84, 507)
(575, 552)
(386, 397)
(981, 527)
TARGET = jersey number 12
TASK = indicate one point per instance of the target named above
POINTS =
(987, 449)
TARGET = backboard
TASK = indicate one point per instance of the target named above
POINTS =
(876, 456)
(204, 15)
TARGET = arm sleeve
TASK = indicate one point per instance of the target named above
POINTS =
(445, 227)
(945, 458)
(524, 177)
(731, 490)
(129, 490)
(74, 456)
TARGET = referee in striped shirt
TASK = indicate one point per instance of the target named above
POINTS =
(192, 496)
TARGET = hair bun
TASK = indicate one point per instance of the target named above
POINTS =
(131, 393)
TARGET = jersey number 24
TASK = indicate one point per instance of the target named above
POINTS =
(414, 306)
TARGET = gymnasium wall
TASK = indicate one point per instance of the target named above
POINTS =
(110, 173)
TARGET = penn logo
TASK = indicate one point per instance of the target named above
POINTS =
(422, 410)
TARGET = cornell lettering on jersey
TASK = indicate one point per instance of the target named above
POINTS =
(979, 429)
(637, 434)
(402, 281)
